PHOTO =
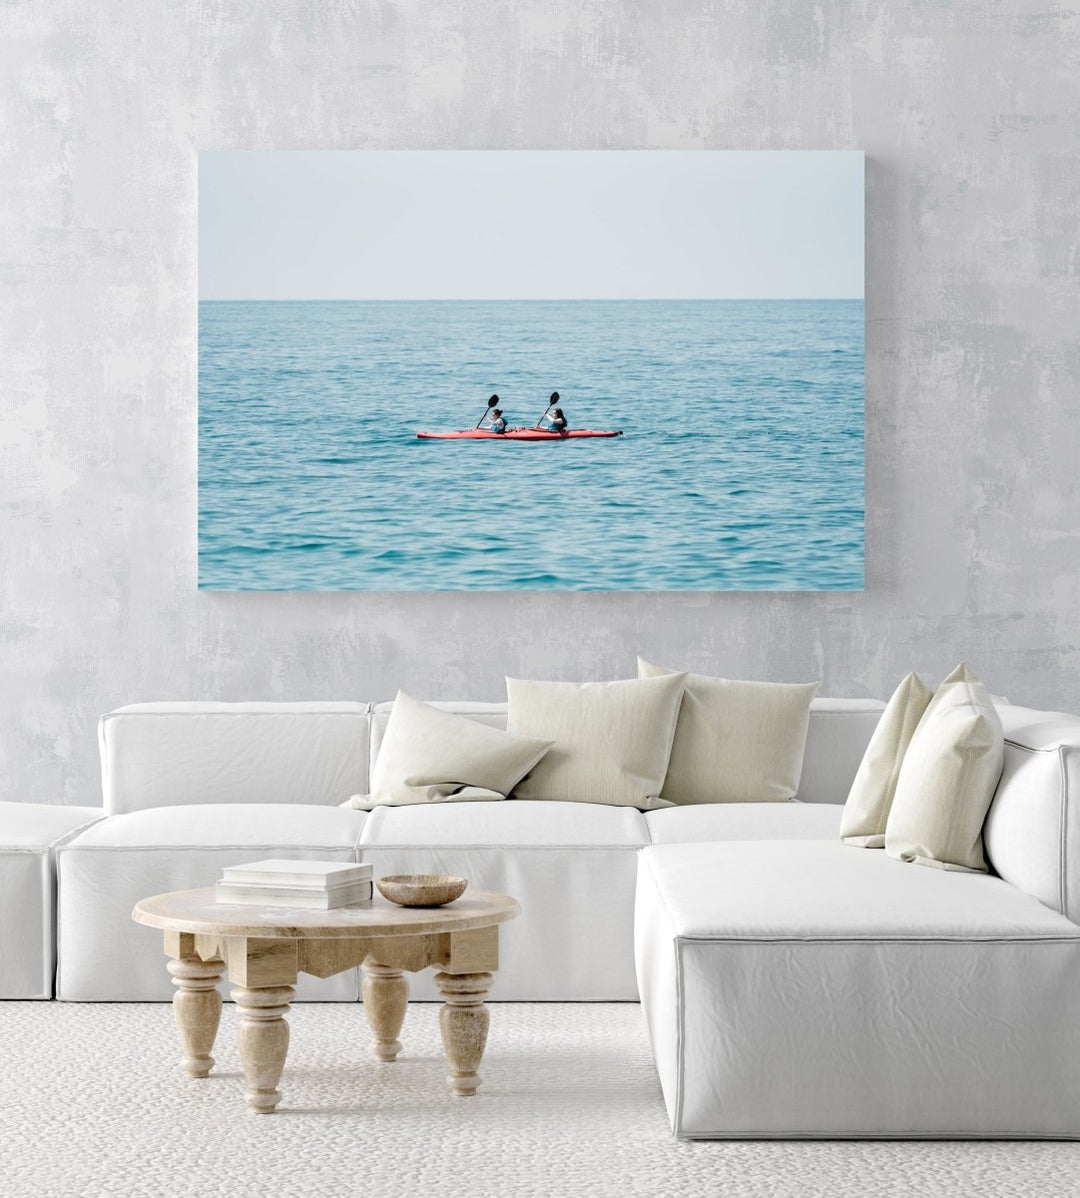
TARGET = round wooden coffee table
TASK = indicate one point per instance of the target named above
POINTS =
(264, 948)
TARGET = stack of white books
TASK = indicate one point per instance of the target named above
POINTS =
(318, 885)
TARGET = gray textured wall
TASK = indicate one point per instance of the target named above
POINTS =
(968, 113)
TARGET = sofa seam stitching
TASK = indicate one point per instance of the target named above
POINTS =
(636, 848)
(883, 940)
(196, 714)
(965, 1136)
(1019, 744)
(1063, 825)
(680, 1028)
(56, 925)
(162, 848)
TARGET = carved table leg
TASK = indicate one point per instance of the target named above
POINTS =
(386, 998)
(263, 1040)
(463, 1022)
(197, 1010)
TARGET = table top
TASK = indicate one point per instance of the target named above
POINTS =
(198, 911)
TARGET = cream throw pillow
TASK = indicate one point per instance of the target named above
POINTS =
(948, 778)
(867, 808)
(432, 756)
(612, 739)
(737, 742)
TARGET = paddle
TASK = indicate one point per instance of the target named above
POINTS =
(554, 401)
(490, 404)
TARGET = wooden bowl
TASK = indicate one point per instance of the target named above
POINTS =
(421, 890)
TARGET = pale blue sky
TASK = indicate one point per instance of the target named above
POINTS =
(650, 224)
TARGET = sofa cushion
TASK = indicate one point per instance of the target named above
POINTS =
(612, 739)
(736, 742)
(839, 731)
(820, 888)
(803, 989)
(102, 874)
(535, 823)
(866, 811)
(173, 754)
(28, 827)
(227, 825)
(947, 779)
(428, 755)
(701, 823)
(491, 714)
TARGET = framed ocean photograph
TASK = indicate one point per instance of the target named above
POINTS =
(541, 370)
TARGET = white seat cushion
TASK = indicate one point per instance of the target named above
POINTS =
(533, 822)
(822, 888)
(28, 827)
(570, 865)
(702, 823)
(105, 956)
(227, 825)
(807, 988)
(29, 835)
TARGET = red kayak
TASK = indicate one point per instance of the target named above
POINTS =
(517, 434)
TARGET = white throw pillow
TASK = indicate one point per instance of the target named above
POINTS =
(432, 756)
(737, 742)
(948, 778)
(612, 739)
(867, 808)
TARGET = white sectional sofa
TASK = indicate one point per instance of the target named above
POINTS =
(189, 787)
(793, 986)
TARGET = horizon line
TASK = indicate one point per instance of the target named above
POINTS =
(592, 299)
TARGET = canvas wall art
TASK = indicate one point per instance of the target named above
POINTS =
(531, 371)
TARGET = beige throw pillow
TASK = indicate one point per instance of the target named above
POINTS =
(612, 739)
(867, 808)
(948, 778)
(737, 742)
(432, 756)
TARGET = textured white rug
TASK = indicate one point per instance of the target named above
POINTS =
(92, 1104)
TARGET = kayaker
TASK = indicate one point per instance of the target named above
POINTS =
(556, 420)
(498, 421)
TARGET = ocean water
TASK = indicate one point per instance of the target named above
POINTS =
(740, 466)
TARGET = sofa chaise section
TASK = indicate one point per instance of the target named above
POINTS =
(103, 872)
(809, 989)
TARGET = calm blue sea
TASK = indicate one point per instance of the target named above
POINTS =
(740, 468)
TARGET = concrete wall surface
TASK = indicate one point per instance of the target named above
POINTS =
(968, 112)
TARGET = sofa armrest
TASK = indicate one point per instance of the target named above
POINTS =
(1032, 832)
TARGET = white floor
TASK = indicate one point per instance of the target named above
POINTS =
(92, 1104)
